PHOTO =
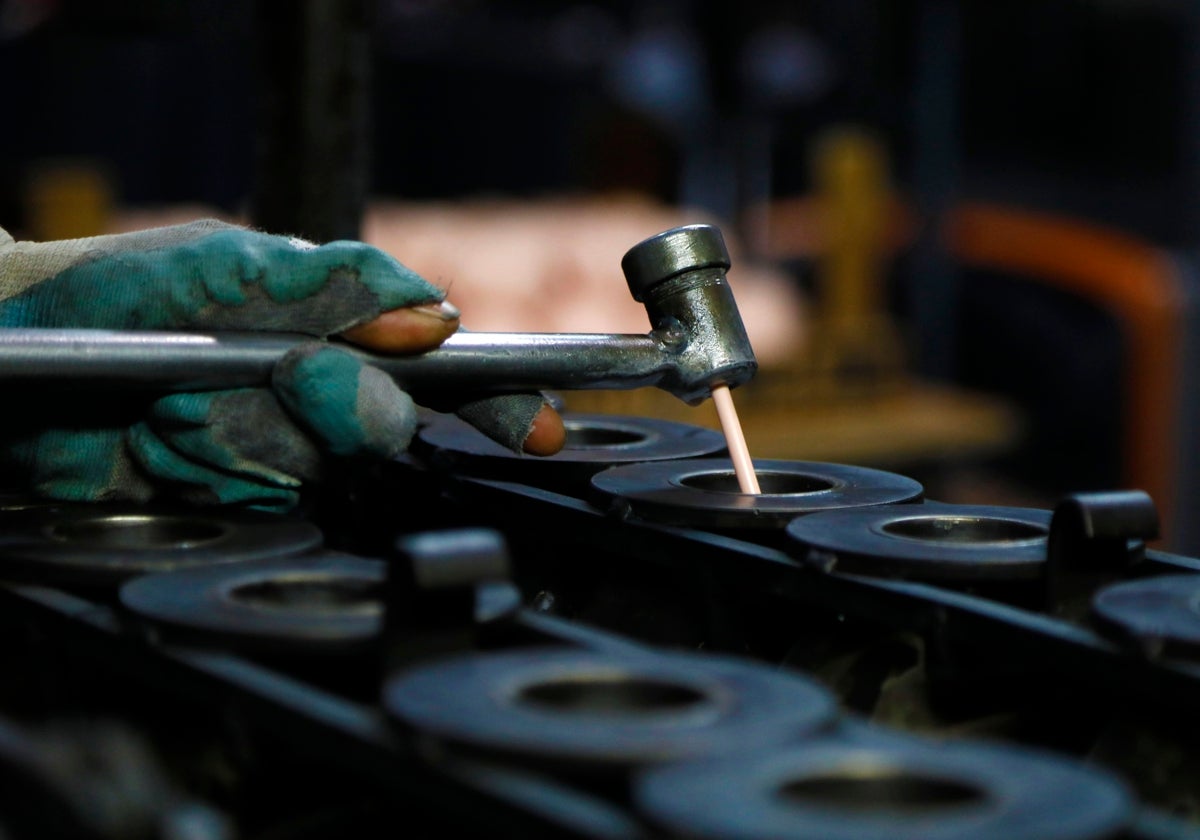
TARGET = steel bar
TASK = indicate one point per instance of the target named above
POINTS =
(476, 361)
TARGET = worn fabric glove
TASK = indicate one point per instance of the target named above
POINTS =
(250, 446)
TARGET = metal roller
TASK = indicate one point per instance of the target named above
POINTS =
(704, 492)
(325, 603)
(932, 541)
(99, 545)
(885, 789)
(16, 507)
(589, 711)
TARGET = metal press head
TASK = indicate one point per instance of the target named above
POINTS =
(680, 276)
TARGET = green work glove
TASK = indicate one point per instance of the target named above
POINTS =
(250, 446)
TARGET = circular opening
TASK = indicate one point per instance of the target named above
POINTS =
(312, 594)
(771, 483)
(610, 695)
(600, 437)
(964, 529)
(138, 533)
(882, 790)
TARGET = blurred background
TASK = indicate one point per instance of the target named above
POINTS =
(963, 232)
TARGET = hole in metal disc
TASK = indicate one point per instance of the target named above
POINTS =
(880, 790)
(610, 695)
(771, 483)
(598, 437)
(312, 593)
(964, 529)
(138, 532)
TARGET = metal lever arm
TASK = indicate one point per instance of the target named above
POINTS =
(475, 361)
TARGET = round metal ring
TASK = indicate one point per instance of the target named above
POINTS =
(594, 442)
(326, 602)
(593, 710)
(704, 492)
(831, 790)
(320, 600)
(1161, 613)
(931, 541)
(104, 545)
(16, 505)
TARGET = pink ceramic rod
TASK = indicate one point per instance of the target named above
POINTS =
(743, 467)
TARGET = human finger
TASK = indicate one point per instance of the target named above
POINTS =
(547, 434)
(353, 408)
(408, 330)
(201, 483)
(522, 422)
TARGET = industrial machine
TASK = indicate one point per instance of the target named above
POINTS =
(612, 642)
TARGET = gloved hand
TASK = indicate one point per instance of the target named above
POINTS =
(250, 446)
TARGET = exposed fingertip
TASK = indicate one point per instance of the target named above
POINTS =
(546, 434)
(408, 330)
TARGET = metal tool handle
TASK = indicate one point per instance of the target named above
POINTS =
(475, 361)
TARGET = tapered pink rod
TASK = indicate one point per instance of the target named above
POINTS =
(743, 467)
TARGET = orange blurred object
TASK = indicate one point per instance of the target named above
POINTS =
(68, 199)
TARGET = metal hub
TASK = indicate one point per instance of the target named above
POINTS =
(586, 709)
(322, 603)
(931, 541)
(704, 492)
(104, 545)
(894, 789)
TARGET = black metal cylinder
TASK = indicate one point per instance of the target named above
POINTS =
(312, 155)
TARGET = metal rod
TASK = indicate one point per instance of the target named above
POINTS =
(474, 361)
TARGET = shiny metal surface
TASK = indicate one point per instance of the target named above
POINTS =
(100, 545)
(933, 541)
(670, 253)
(704, 492)
(15, 506)
(680, 276)
(495, 361)
(896, 789)
(697, 340)
(595, 710)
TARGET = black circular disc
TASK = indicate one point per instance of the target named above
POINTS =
(595, 710)
(829, 790)
(320, 598)
(704, 492)
(15, 506)
(1162, 613)
(594, 442)
(932, 541)
(324, 602)
(101, 544)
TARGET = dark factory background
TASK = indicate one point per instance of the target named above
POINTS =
(1034, 168)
